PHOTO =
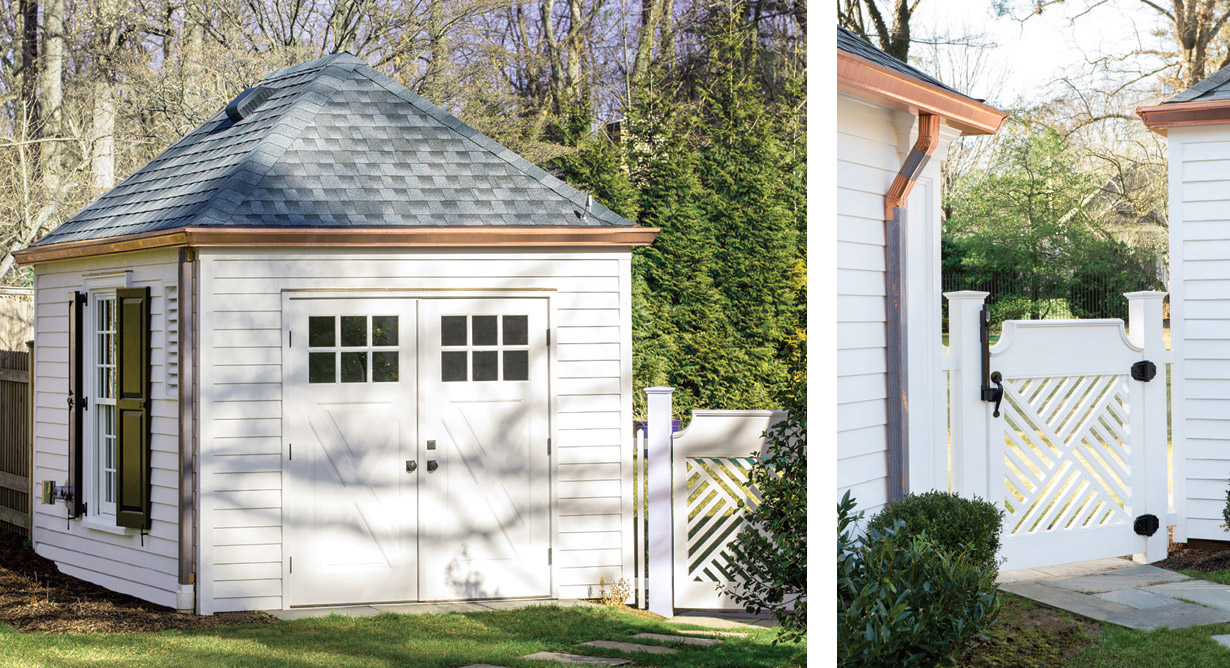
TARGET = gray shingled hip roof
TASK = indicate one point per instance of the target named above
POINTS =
(336, 144)
(851, 43)
(1214, 87)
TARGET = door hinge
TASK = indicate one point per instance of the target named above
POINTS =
(548, 556)
(548, 337)
(292, 564)
(290, 450)
(290, 343)
(548, 446)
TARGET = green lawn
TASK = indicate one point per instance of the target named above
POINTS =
(388, 640)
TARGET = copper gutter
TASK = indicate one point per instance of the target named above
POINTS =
(435, 237)
(858, 76)
(1183, 114)
(896, 327)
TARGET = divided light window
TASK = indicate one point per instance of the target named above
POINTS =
(104, 401)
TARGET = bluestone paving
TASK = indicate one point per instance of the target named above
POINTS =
(1223, 639)
(306, 613)
(1177, 616)
(729, 634)
(663, 637)
(629, 647)
(1205, 593)
(1136, 598)
(576, 659)
(1066, 599)
(1124, 578)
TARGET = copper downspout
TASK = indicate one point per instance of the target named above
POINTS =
(896, 350)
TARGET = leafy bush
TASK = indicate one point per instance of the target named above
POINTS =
(770, 554)
(905, 600)
(955, 523)
(1225, 512)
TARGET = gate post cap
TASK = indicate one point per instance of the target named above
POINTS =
(966, 294)
(659, 390)
(1146, 294)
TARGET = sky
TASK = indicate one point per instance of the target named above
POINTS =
(1029, 56)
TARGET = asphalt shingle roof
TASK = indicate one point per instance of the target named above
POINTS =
(851, 43)
(1215, 87)
(337, 144)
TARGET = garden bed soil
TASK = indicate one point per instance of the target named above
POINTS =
(36, 597)
(1030, 635)
(1184, 557)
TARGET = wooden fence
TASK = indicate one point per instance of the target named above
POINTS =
(15, 430)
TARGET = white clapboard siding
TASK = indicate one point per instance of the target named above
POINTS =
(1200, 326)
(146, 567)
(241, 399)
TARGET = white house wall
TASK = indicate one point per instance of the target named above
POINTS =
(872, 142)
(241, 444)
(146, 567)
(1200, 327)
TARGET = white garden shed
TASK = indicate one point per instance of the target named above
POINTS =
(894, 125)
(1196, 123)
(335, 346)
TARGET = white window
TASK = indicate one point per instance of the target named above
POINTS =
(102, 453)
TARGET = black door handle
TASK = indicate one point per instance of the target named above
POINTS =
(411, 466)
(432, 465)
(997, 394)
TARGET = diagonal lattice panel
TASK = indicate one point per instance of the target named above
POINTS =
(1066, 453)
(718, 493)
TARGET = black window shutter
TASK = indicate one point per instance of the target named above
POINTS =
(132, 408)
(76, 403)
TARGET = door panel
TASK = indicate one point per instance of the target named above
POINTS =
(349, 511)
(485, 508)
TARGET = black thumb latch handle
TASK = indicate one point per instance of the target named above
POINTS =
(997, 394)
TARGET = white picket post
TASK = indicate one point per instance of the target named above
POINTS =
(968, 434)
(661, 589)
(1145, 331)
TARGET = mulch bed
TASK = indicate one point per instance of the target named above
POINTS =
(1186, 558)
(36, 597)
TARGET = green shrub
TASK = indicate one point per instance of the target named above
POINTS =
(1225, 512)
(769, 556)
(903, 599)
(955, 523)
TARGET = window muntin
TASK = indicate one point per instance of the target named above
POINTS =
(353, 349)
(484, 348)
(104, 363)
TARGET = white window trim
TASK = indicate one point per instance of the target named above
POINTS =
(98, 287)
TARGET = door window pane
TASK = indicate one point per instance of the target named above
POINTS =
(453, 330)
(486, 365)
(516, 365)
(320, 368)
(354, 367)
(320, 331)
(453, 366)
(484, 330)
(516, 330)
(384, 330)
(384, 366)
(354, 331)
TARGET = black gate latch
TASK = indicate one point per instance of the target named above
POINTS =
(1144, 371)
(1146, 525)
(989, 393)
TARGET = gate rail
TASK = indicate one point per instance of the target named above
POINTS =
(16, 427)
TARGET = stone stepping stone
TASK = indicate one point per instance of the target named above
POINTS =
(576, 659)
(629, 647)
(1210, 594)
(1123, 578)
(1066, 599)
(734, 634)
(1223, 639)
(481, 665)
(1178, 616)
(662, 637)
(1136, 598)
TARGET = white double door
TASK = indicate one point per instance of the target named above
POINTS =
(416, 450)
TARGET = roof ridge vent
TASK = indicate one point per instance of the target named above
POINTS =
(247, 102)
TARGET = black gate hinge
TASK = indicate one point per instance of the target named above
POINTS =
(1144, 371)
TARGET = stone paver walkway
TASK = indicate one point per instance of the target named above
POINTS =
(1120, 592)
(418, 608)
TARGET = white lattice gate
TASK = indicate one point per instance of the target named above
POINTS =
(1075, 450)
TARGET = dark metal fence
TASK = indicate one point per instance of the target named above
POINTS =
(1016, 297)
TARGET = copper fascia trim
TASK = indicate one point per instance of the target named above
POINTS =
(231, 237)
(1161, 116)
(924, 148)
(858, 76)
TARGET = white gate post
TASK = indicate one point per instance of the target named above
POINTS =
(661, 586)
(968, 432)
(1145, 331)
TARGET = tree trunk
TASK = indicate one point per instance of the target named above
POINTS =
(51, 97)
(102, 164)
(437, 44)
(650, 10)
(29, 67)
